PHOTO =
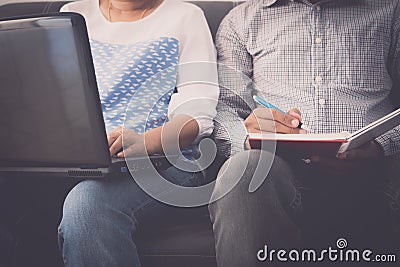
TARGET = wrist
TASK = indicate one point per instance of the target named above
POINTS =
(379, 149)
(151, 144)
(246, 144)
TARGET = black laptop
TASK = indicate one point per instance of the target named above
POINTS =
(50, 113)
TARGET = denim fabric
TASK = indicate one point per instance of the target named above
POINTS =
(100, 218)
(298, 205)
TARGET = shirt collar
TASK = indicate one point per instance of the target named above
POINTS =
(269, 3)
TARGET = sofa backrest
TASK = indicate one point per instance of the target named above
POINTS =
(214, 11)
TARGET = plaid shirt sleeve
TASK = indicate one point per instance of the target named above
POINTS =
(236, 86)
(390, 141)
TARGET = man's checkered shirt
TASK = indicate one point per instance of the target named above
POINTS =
(336, 61)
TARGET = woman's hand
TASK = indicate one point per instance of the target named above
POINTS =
(177, 133)
(125, 142)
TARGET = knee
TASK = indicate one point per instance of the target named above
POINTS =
(253, 166)
(84, 206)
(80, 206)
(270, 174)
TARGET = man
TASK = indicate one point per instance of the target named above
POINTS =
(336, 61)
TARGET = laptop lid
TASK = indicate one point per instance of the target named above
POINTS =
(50, 112)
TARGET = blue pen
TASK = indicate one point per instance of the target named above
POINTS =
(264, 103)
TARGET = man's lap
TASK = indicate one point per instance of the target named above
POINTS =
(323, 201)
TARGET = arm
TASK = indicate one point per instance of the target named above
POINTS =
(154, 141)
(192, 108)
(235, 78)
(197, 90)
(390, 141)
(236, 114)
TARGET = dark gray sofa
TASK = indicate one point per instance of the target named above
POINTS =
(188, 240)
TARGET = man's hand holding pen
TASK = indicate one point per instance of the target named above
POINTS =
(269, 120)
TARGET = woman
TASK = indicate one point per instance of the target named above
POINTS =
(136, 47)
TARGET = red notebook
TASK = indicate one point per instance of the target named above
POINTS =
(303, 145)
(329, 144)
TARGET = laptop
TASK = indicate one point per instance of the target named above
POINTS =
(50, 112)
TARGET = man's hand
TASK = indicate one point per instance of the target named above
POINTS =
(371, 150)
(266, 120)
(352, 159)
(128, 141)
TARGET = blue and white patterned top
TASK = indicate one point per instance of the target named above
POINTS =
(136, 65)
(124, 73)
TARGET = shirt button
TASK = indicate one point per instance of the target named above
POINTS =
(322, 102)
(318, 8)
(318, 79)
(318, 40)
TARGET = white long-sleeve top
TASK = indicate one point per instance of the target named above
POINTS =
(137, 63)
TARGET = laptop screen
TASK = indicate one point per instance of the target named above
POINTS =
(50, 112)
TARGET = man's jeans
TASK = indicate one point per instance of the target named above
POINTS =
(297, 205)
(100, 218)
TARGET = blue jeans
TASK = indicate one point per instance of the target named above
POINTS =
(100, 218)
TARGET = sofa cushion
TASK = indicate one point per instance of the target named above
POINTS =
(185, 238)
